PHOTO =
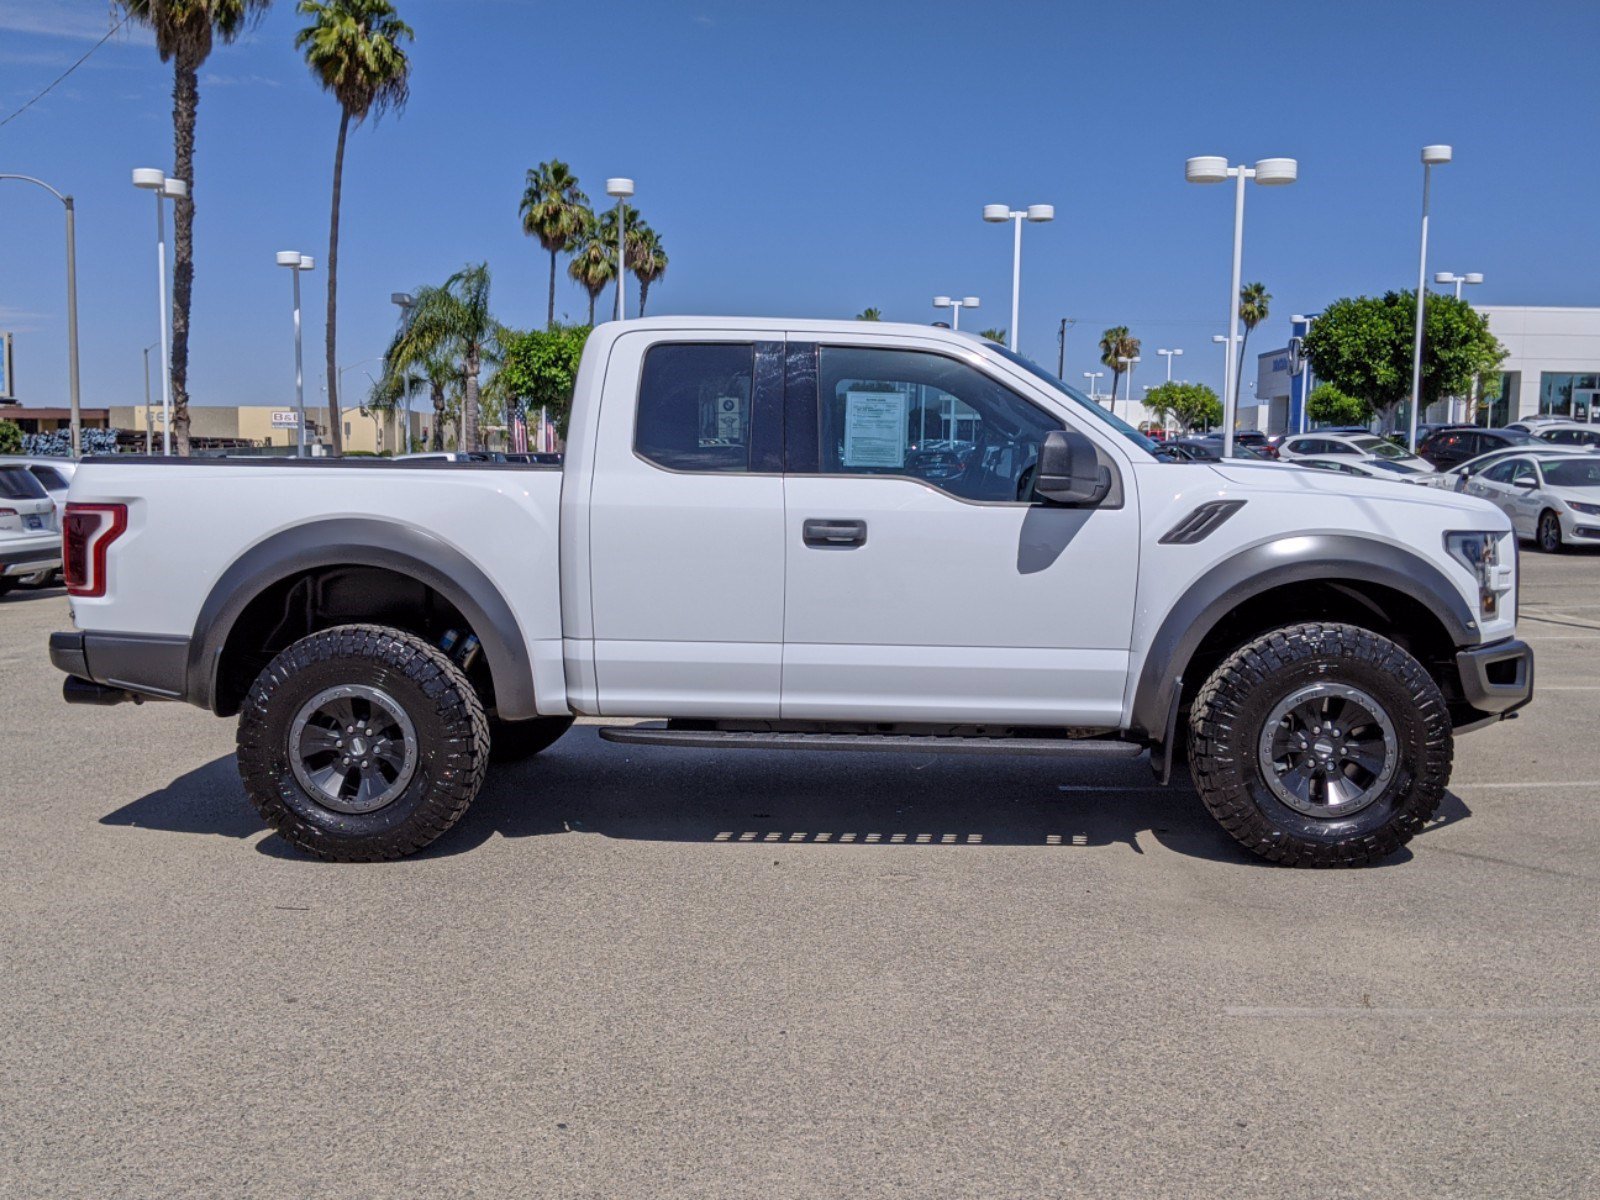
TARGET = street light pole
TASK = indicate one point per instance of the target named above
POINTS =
(1169, 355)
(1448, 277)
(621, 189)
(1127, 392)
(297, 262)
(1431, 156)
(1094, 388)
(1061, 346)
(1267, 172)
(72, 306)
(147, 434)
(1000, 213)
(152, 179)
(956, 306)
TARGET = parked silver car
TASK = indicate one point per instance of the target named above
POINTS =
(1552, 498)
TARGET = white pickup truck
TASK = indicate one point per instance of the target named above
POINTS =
(806, 534)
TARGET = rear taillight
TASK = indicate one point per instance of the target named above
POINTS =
(87, 533)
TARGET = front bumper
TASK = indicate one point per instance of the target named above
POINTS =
(1496, 679)
(133, 664)
(27, 555)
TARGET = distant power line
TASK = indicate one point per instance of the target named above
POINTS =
(65, 73)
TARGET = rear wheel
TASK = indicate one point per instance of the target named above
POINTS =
(1549, 532)
(362, 743)
(1321, 745)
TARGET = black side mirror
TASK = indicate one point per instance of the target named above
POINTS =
(1069, 472)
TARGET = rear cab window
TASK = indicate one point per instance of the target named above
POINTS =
(695, 406)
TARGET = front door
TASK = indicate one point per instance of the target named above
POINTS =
(923, 586)
(685, 536)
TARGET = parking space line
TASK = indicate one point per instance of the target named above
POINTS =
(1557, 783)
(1460, 1012)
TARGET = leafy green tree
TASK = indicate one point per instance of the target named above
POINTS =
(1116, 343)
(540, 368)
(1191, 405)
(185, 32)
(554, 210)
(1255, 302)
(453, 323)
(1363, 346)
(594, 264)
(869, 314)
(10, 437)
(1327, 405)
(648, 262)
(353, 48)
(993, 335)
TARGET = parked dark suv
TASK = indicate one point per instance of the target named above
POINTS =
(1455, 444)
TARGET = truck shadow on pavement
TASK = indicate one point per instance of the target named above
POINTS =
(739, 797)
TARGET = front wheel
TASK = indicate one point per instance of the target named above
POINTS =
(362, 743)
(1321, 745)
(1549, 532)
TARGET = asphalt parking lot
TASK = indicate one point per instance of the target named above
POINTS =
(638, 972)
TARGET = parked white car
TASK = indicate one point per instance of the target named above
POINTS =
(1367, 468)
(30, 536)
(1569, 433)
(742, 545)
(1554, 499)
(53, 474)
(1456, 478)
(1536, 423)
(1352, 446)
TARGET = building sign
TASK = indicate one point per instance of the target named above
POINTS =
(1274, 373)
(7, 391)
(285, 418)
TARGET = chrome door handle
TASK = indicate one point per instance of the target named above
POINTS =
(822, 533)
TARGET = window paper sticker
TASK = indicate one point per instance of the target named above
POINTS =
(874, 429)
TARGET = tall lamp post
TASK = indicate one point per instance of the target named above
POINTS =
(1268, 172)
(1303, 371)
(297, 262)
(1169, 355)
(1061, 346)
(951, 302)
(147, 434)
(1094, 383)
(152, 179)
(1447, 278)
(1432, 156)
(1000, 213)
(621, 189)
(1127, 392)
(72, 306)
(405, 302)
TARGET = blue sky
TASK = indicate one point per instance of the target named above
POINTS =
(812, 160)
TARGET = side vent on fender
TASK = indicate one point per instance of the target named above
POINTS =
(1200, 524)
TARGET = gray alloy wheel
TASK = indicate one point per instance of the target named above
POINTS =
(353, 748)
(1328, 750)
(1549, 532)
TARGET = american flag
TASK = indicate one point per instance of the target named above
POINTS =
(519, 431)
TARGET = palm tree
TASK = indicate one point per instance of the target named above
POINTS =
(593, 263)
(554, 210)
(994, 335)
(606, 233)
(1253, 302)
(1117, 343)
(398, 384)
(185, 32)
(353, 48)
(453, 323)
(648, 261)
(869, 314)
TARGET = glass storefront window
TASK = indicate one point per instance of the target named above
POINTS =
(1567, 395)
(1499, 400)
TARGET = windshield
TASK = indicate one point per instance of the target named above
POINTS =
(1574, 472)
(1077, 398)
(1380, 447)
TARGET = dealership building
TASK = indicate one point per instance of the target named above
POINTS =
(1552, 367)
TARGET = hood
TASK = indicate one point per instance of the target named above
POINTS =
(1259, 477)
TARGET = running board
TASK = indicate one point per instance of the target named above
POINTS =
(917, 743)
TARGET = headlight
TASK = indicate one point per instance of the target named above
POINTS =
(1480, 554)
(1591, 509)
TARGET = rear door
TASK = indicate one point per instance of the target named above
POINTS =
(685, 533)
(925, 587)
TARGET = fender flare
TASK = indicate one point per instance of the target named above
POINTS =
(1338, 558)
(366, 542)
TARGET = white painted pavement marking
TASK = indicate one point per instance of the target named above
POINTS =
(1463, 1012)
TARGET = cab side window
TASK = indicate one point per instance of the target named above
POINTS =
(932, 418)
(1499, 472)
(695, 406)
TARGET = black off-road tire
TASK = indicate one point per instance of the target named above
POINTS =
(452, 742)
(511, 741)
(1232, 708)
